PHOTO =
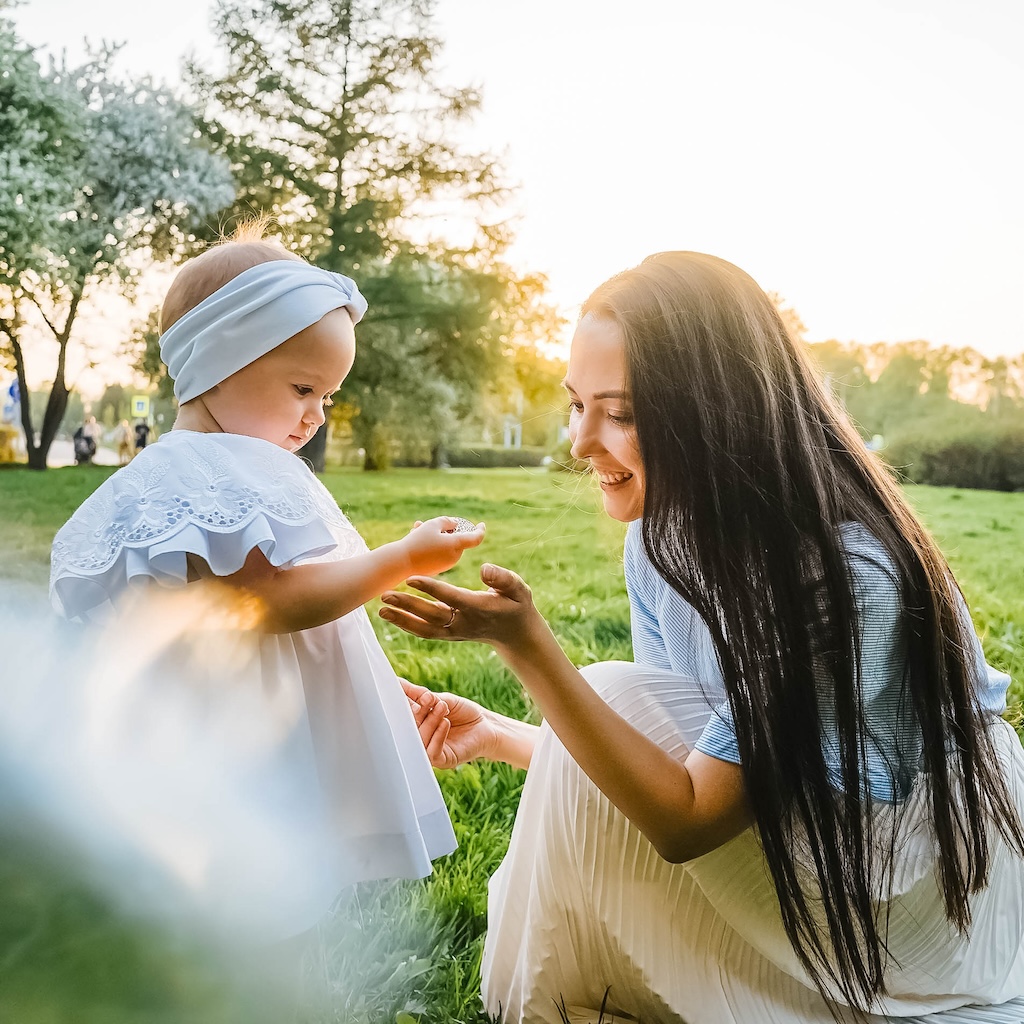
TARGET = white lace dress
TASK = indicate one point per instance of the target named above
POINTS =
(338, 753)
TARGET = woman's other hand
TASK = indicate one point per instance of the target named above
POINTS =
(503, 615)
(453, 729)
(434, 546)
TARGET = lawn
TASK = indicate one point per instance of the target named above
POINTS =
(399, 947)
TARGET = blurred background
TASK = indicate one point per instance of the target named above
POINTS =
(479, 169)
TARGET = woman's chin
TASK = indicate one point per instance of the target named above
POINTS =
(622, 507)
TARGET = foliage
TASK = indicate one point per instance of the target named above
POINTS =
(947, 416)
(889, 389)
(338, 126)
(989, 457)
(144, 343)
(95, 174)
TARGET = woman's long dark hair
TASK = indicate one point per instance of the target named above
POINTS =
(750, 469)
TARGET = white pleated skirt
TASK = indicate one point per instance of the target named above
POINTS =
(583, 911)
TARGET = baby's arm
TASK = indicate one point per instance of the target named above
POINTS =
(309, 595)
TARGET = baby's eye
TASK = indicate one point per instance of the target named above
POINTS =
(303, 390)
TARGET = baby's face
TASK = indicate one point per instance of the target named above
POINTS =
(281, 396)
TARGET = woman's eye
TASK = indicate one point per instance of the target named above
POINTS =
(622, 418)
(575, 406)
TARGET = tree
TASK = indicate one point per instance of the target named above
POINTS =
(144, 344)
(790, 317)
(336, 125)
(95, 176)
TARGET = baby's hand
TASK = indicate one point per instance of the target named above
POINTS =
(434, 546)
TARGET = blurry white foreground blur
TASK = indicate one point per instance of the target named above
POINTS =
(150, 754)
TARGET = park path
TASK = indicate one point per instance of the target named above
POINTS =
(62, 453)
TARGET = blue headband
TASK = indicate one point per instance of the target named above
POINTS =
(248, 317)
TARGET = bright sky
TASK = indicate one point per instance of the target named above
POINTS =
(864, 159)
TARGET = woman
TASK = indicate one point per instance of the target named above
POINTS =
(801, 803)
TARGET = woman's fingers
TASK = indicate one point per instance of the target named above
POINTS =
(504, 581)
(412, 691)
(454, 597)
(415, 625)
(435, 744)
(430, 611)
(423, 702)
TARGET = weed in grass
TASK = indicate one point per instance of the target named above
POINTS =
(563, 1012)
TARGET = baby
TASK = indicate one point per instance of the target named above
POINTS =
(257, 340)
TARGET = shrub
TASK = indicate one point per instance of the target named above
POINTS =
(991, 459)
(492, 457)
(562, 460)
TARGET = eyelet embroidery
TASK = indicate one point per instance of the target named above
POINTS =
(216, 484)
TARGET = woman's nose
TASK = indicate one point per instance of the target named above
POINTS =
(585, 442)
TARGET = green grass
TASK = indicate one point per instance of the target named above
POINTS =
(407, 947)
(981, 533)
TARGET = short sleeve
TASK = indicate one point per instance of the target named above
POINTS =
(648, 643)
(719, 736)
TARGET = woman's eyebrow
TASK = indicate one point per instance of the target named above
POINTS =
(600, 394)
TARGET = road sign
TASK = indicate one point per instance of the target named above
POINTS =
(140, 406)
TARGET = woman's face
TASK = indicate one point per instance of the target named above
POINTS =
(601, 415)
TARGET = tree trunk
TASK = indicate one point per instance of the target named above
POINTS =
(315, 449)
(36, 453)
(57, 402)
(377, 449)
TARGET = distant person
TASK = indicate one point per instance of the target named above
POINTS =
(802, 796)
(125, 443)
(84, 440)
(141, 435)
(256, 341)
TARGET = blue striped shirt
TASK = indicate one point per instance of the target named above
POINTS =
(668, 633)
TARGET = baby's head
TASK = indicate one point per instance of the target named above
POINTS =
(204, 274)
(256, 339)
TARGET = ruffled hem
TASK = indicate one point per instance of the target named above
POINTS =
(212, 496)
(82, 594)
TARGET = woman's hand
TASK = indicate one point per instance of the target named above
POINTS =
(503, 615)
(434, 546)
(453, 729)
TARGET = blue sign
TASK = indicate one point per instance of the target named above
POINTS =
(12, 400)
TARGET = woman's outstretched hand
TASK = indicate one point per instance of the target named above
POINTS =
(503, 615)
(453, 729)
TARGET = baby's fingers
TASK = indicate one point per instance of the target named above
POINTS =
(471, 538)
